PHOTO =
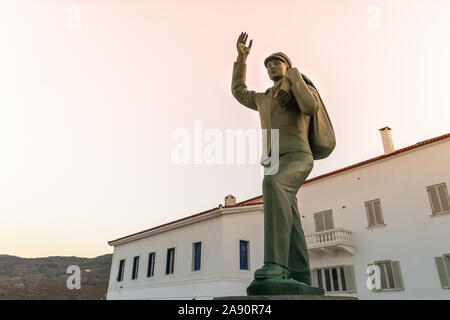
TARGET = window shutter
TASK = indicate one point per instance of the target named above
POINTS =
(170, 260)
(318, 219)
(398, 281)
(172, 266)
(151, 264)
(377, 210)
(314, 282)
(350, 278)
(443, 194)
(370, 214)
(243, 255)
(328, 215)
(197, 255)
(443, 273)
(432, 194)
(121, 270)
(135, 270)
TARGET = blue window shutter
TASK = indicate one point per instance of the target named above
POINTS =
(243, 250)
(168, 262)
(172, 261)
(121, 269)
(197, 255)
(151, 264)
(135, 267)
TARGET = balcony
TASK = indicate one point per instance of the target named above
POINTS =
(333, 240)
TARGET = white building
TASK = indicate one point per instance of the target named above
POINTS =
(392, 210)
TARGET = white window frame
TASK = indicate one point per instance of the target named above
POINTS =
(444, 262)
(371, 203)
(322, 215)
(397, 278)
(439, 199)
(170, 263)
(350, 284)
(152, 267)
(193, 256)
(123, 270)
(248, 256)
(135, 268)
(447, 262)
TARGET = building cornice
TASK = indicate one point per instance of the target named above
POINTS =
(209, 214)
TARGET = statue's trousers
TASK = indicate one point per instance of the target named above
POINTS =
(284, 240)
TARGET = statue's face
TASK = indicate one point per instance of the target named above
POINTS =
(276, 69)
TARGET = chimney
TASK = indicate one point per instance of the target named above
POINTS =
(386, 137)
(230, 200)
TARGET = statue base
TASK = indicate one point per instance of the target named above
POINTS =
(275, 287)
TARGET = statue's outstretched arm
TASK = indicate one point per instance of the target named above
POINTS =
(239, 88)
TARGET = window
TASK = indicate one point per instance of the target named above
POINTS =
(121, 270)
(334, 279)
(443, 266)
(151, 265)
(439, 200)
(243, 254)
(373, 211)
(170, 260)
(196, 256)
(323, 220)
(390, 274)
(134, 274)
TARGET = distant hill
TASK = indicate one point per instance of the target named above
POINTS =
(45, 278)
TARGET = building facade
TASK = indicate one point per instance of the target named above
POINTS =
(389, 216)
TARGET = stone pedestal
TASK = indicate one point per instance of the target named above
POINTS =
(283, 289)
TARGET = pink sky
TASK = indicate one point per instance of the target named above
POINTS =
(86, 115)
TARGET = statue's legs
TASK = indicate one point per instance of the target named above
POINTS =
(298, 263)
(284, 241)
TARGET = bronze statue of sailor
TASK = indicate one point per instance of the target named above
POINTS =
(294, 108)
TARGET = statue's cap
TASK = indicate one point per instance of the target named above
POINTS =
(278, 56)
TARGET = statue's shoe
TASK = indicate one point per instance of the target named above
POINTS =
(272, 270)
(304, 277)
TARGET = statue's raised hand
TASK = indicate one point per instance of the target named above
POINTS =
(241, 46)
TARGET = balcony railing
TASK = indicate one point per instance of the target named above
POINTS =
(333, 239)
